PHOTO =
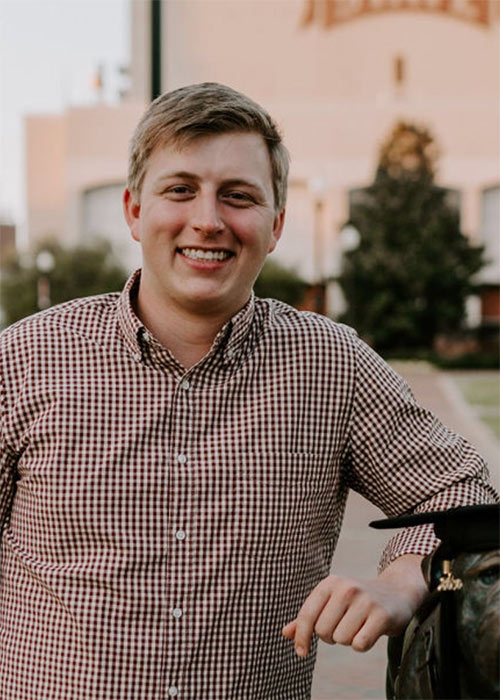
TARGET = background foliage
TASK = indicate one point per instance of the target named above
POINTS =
(281, 283)
(409, 278)
(78, 271)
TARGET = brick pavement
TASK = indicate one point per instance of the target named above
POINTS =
(341, 673)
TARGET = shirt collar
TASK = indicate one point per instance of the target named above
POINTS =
(230, 338)
(130, 326)
(237, 330)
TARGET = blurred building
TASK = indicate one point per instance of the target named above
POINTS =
(337, 75)
(76, 171)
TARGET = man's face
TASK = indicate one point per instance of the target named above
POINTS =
(206, 222)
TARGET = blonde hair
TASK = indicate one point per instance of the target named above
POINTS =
(194, 111)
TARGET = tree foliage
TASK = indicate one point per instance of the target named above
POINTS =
(410, 276)
(281, 283)
(78, 271)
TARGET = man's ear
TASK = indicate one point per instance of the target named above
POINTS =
(131, 210)
(278, 224)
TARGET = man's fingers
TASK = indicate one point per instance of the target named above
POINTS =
(306, 619)
(288, 630)
(360, 628)
(374, 627)
(350, 624)
(329, 618)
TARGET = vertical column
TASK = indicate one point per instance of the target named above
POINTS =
(156, 87)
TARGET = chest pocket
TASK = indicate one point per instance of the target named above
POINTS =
(280, 503)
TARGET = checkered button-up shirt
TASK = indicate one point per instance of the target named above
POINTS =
(160, 526)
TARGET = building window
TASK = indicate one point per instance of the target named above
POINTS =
(399, 71)
(490, 232)
(102, 215)
(490, 274)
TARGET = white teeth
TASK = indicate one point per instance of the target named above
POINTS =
(197, 254)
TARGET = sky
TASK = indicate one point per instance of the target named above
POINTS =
(49, 52)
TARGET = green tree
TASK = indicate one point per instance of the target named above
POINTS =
(281, 283)
(77, 271)
(408, 279)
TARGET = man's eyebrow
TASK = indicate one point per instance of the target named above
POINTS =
(237, 181)
(167, 175)
(230, 182)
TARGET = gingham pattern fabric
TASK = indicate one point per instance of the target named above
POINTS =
(162, 525)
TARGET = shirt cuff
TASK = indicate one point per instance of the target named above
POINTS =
(421, 539)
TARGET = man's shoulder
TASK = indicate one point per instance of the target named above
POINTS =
(306, 326)
(85, 317)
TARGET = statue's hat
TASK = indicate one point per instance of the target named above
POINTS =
(465, 529)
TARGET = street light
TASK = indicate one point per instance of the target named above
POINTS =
(45, 263)
(348, 240)
(317, 186)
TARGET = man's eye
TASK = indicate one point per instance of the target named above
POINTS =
(489, 576)
(178, 190)
(238, 197)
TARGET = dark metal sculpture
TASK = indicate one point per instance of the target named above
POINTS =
(450, 649)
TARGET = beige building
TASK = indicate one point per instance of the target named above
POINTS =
(76, 171)
(337, 75)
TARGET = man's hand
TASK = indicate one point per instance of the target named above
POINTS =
(356, 613)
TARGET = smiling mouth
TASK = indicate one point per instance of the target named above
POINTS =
(208, 255)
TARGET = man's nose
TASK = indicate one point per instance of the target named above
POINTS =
(206, 215)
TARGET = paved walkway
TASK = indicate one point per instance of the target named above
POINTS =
(343, 674)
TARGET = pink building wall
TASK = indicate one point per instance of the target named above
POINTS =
(333, 89)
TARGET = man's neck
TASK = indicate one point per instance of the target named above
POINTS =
(188, 336)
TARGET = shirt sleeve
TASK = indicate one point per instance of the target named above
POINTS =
(403, 459)
(7, 465)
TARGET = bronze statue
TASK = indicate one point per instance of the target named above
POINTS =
(451, 647)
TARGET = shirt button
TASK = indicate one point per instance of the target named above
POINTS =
(181, 458)
(173, 692)
(185, 385)
(177, 613)
(180, 534)
(137, 357)
(230, 354)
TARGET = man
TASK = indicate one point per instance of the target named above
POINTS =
(176, 457)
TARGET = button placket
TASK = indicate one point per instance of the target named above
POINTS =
(177, 594)
(185, 385)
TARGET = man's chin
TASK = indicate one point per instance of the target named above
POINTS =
(215, 305)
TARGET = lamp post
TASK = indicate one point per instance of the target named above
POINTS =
(45, 263)
(348, 239)
(317, 186)
(156, 81)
